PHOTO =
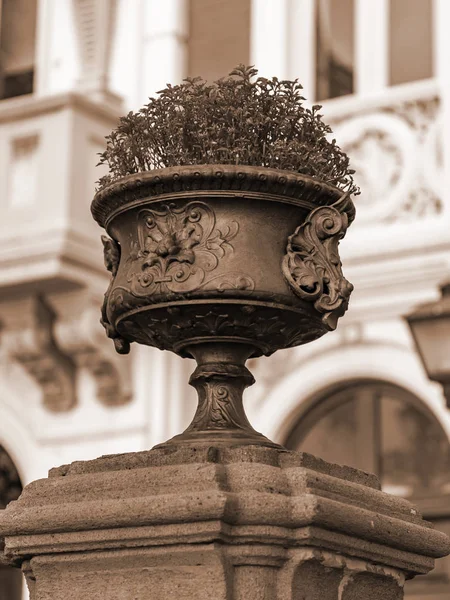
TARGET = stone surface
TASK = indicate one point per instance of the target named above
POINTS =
(243, 522)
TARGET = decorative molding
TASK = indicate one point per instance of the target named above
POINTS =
(214, 181)
(81, 337)
(312, 266)
(35, 348)
(30, 106)
(396, 152)
(245, 496)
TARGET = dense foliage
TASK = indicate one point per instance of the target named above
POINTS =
(236, 120)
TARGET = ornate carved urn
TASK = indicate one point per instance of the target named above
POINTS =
(221, 263)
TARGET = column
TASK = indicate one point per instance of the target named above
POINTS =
(372, 46)
(302, 45)
(269, 37)
(164, 38)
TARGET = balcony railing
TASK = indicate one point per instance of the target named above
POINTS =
(394, 141)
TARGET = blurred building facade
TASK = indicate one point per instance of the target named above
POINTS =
(359, 396)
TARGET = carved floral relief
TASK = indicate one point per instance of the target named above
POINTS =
(177, 248)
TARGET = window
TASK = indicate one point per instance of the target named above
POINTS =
(382, 429)
(10, 489)
(219, 37)
(410, 40)
(17, 52)
(334, 48)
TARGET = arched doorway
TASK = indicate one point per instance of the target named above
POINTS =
(11, 580)
(384, 429)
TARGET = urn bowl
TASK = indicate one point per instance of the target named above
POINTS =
(222, 253)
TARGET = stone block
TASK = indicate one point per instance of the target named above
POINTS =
(249, 522)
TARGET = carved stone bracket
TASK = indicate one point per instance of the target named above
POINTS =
(312, 266)
(82, 339)
(35, 348)
(54, 338)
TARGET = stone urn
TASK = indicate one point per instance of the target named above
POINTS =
(222, 263)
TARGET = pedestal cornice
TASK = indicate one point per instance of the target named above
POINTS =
(238, 495)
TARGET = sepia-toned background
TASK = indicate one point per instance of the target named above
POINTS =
(358, 396)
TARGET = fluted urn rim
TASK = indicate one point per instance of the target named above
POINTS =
(217, 179)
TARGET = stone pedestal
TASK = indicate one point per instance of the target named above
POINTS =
(242, 522)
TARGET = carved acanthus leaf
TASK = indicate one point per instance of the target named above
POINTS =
(172, 328)
(312, 266)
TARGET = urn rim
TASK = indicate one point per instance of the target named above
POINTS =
(217, 180)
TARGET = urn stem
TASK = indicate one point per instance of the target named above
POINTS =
(220, 380)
